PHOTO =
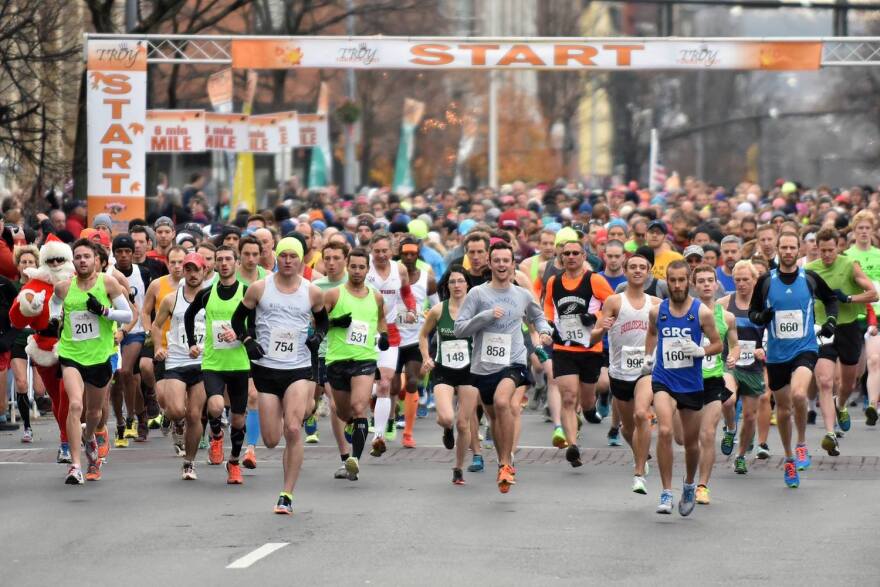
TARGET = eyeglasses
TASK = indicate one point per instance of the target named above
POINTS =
(570, 253)
(54, 260)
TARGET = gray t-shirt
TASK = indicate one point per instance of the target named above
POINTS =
(498, 342)
(660, 291)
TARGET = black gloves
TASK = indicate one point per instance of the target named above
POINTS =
(94, 306)
(313, 342)
(555, 336)
(828, 329)
(764, 316)
(53, 329)
(588, 319)
(343, 321)
(254, 350)
(383, 339)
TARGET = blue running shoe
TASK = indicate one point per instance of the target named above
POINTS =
(688, 499)
(614, 437)
(476, 465)
(422, 412)
(843, 419)
(311, 425)
(802, 457)
(792, 479)
(665, 505)
(727, 442)
(603, 406)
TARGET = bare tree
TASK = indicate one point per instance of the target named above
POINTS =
(34, 61)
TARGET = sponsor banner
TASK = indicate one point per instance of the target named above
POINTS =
(263, 134)
(288, 128)
(314, 131)
(175, 131)
(116, 106)
(564, 54)
(220, 90)
(226, 132)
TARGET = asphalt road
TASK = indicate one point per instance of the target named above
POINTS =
(404, 523)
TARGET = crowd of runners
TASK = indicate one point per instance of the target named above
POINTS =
(661, 315)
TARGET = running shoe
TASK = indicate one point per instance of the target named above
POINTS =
(603, 406)
(323, 408)
(340, 473)
(688, 499)
(250, 459)
(773, 418)
(739, 466)
(352, 468)
(120, 441)
(871, 415)
(448, 438)
(27, 436)
(592, 416)
(93, 472)
(763, 451)
(142, 431)
(408, 441)
(284, 505)
(802, 457)
(378, 447)
(811, 417)
(422, 411)
(505, 478)
(390, 431)
(313, 438)
(233, 474)
(177, 440)
(165, 425)
(457, 477)
(830, 445)
(131, 430)
(488, 442)
(614, 437)
(639, 485)
(559, 440)
(727, 442)
(431, 405)
(400, 421)
(665, 504)
(573, 456)
(74, 476)
(91, 449)
(476, 465)
(311, 426)
(348, 431)
(188, 471)
(790, 474)
(215, 452)
(103, 440)
(703, 496)
(843, 419)
(63, 456)
(155, 423)
(203, 442)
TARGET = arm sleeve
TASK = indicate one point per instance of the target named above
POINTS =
(870, 315)
(322, 322)
(468, 323)
(242, 321)
(408, 298)
(121, 311)
(189, 317)
(756, 306)
(825, 295)
(549, 311)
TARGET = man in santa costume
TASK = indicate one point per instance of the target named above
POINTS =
(31, 309)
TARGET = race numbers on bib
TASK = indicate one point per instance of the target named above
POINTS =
(198, 331)
(789, 324)
(572, 330)
(746, 353)
(218, 327)
(709, 361)
(632, 358)
(283, 343)
(454, 354)
(674, 355)
(84, 326)
(495, 348)
(358, 333)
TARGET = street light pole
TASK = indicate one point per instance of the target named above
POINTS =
(350, 176)
(493, 102)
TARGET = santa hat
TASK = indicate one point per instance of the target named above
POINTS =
(53, 248)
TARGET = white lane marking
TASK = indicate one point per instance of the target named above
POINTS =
(252, 557)
(23, 449)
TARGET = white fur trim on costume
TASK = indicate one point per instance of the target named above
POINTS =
(52, 249)
(40, 356)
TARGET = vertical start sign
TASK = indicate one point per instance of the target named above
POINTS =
(116, 106)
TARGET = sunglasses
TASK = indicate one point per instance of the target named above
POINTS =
(54, 260)
(570, 253)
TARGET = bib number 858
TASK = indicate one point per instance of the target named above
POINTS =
(495, 351)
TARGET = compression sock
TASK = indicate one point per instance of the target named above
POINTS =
(344, 457)
(216, 426)
(24, 408)
(410, 408)
(253, 427)
(383, 411)
(237, 437)
(359, 437)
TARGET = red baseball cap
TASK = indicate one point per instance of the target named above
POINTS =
(96, 236)
(194, 259)
(508, 219)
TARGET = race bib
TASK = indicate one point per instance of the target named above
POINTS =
(674, 356)
(746, 353)
(572, 330)
(495, 348)
(358, 333)
(632, 358)
(84, 326)
(198, 331)
(709, 360)
(283, 343)
(217, 328)
(454, 354)
(789, 324)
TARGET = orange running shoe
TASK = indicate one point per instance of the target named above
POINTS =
(215, 450)
(93, 473)
(505, 479)
(250, 459)
(233, 474)
(103, 440)
(408, 441)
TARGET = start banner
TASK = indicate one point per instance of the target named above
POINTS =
(226, 132)
(529, 53)
(175, 131)
(116, 104)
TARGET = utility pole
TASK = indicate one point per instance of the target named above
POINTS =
(493, 101)
(350, 179)
(131, 15)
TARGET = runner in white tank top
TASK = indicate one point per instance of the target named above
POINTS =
(625, 320)
(282, 326)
